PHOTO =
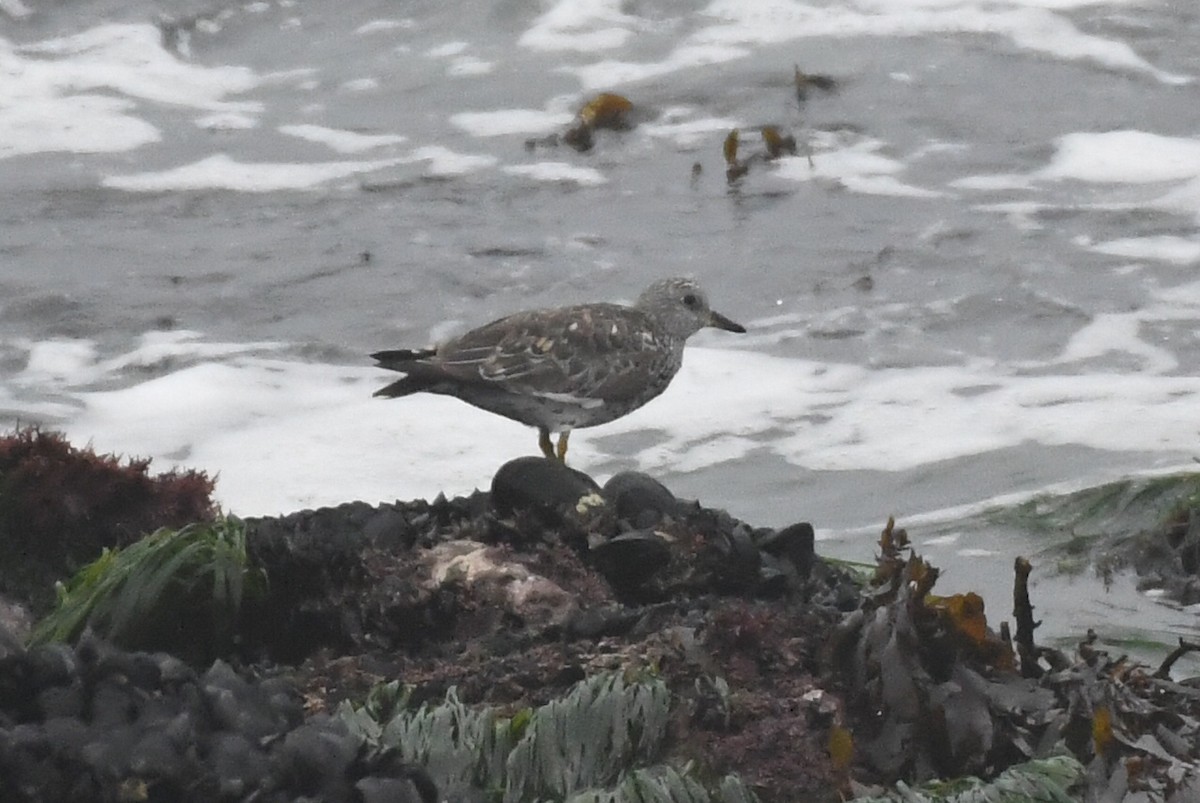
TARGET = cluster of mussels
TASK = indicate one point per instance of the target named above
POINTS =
(93, 722)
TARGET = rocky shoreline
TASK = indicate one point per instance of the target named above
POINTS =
(782, 676)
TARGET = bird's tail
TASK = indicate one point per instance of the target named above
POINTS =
(408, 361)
(401, 359)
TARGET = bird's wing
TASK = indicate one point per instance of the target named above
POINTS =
(603, 350)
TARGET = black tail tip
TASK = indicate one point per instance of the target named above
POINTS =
(402, 355)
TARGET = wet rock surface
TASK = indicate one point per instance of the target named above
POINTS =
(512, 600)
(97, 723)
(782, 667)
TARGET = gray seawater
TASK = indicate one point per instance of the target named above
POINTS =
(936, 270)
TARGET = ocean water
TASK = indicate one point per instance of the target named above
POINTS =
(976, 281)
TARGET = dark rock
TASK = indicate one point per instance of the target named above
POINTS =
(388, 529)
(639, 499)
(315, 759)
(154, 756)
(52, 664)
(795, 543)
(739, 561)
(591, 623)
(153, 730)
(10, 643)
(238, 763)
(236, 705)
(114, 705)
(773, 576)
(390, 790)
(538, 485)
(630, 559)
(61, 701)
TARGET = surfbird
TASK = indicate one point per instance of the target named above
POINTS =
(564, 368)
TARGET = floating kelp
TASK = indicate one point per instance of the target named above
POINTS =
(605, 110)
(776, 144)
(734, 167)
(805, 82)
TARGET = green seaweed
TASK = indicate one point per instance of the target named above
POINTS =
(599, 743)
(172, 588)
(1046, 780)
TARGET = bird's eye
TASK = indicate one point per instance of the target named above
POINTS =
(691, 300)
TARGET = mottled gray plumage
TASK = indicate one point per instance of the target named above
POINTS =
(559, 369)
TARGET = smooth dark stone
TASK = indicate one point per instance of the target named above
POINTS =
(61, 701)
(67, 734)
(773, 576)
(239, 764)
(114, 705)
(108, 751)
(630, 559)
(171, 670)
(740, 559)
(539, 485)
(10, 645)
(794, 543)
(315, 757)
(612, 620)
(155, 757)
(388, 790)
(639, 499)
(52, 664)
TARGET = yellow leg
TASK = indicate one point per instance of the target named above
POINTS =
(545, 444)
(562, 446)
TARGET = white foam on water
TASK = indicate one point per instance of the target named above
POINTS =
(131, 60)
(993, 182)
(222, 172)
(35, 124)
(858, 166)
(684, 132)
(1129, 169)
(226, 121)
(847, 417)
(15, 8)
(283, 434)
(445, 162)
(1117, 333)
(381, 25)
(558, 172)
(341, 141)
(581, 25)
(80, 93)
(466, 66)
(1165, 248)
(75, 363)
(505, 122)
(447, 49)
(730, 28)
(1028, 25)
(360, 85)
(612, 72)
(1128, 157)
